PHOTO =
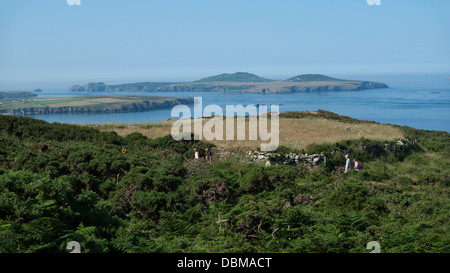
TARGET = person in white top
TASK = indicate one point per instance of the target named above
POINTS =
(357, 165)
(196, 155)
(347, 164)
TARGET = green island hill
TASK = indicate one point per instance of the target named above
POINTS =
(239, 82)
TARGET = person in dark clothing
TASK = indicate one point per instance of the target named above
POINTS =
(208, 155)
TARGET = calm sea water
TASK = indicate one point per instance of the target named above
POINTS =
(420, 101)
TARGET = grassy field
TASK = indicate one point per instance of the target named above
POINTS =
(296, 133)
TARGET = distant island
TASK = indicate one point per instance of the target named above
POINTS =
(238, 82)
(16, 94)
(89, 104)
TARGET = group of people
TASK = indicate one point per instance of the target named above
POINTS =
(208, 156)
(348, 166)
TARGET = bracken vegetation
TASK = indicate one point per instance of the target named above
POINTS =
(62, 183)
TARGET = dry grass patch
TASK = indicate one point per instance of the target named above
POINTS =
(294, 133)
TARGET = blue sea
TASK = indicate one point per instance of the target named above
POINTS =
(419, 101)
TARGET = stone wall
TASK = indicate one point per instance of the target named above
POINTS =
(317, 159)
(286, 159)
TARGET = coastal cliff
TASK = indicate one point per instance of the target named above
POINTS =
(123, 107)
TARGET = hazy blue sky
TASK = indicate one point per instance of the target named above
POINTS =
(49, 44)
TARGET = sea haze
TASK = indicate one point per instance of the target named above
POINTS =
(419, 101)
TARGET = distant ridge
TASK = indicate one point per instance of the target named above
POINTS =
(239, 82)
(235, 77)
(16, 95)
(312, 78)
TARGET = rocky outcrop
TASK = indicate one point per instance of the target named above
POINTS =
(90, 87)
(95, 87)
(76, 88)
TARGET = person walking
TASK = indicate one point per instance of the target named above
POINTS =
(208, 155)
(196, 155)
(347, 164)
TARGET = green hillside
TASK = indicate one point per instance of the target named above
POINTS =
(311, 78)
(62, 183)
(235, 77)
